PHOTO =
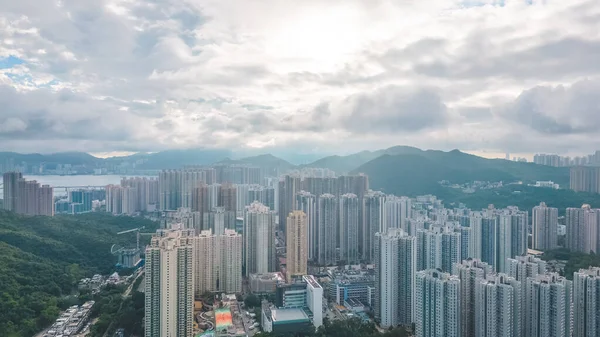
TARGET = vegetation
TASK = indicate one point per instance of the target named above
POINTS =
(114, 311)
(575, 260)
(419, 172)
(525, 197)
(252, 301)
(43, 258)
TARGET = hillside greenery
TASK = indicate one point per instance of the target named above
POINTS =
(575, 260)
(525, 197)
(414, 174)
(43, 258)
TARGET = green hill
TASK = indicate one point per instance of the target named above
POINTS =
(43, 258)
(343, 164)
(413, 174)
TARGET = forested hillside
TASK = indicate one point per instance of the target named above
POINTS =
(43, 258)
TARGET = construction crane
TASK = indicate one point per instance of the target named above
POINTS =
(137, 234)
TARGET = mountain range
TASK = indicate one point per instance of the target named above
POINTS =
(400, 169)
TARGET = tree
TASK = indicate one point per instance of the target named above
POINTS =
(252, 301)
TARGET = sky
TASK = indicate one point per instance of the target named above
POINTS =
(312, 76)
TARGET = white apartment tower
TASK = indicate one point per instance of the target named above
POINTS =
(230, 269)
(498, 306)
(438, 247)
(544, 227)
(395, 272)
(259, 239)
(206, 263)
(348, 228)
(437, 304)
(586, 302)
(374, 215)
(169, 308)
(327, 220)
(307, 203)
(470, 272)
(583, 229)
(296, 244)
(548, 310)
(397, 212)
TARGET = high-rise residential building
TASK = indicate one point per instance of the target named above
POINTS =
(296, 244)
(374, 215)
(169, 189)
(10, 181)
(548, 306)
(469, 272)
(585, 179)
(307, 203)
(397, 212)
(146, 192)
(201, 202)
(498, 306)
(46, 200)
(327, 213)
(437, 304)
(485, 238)
(498, 234)
(544, 227)
(259, 239)
(583, 229)
(320, 185)
(206, 262)
(121, 200)
(243, 196)
(348, 228)
(227, 197)
(27, 196)
(266, 196)
(289, 186)
(465, 242)
(586, 302)
(395, 276)
(230, 269)
(219, 220)
(83, 198)
(169, 279)
(213, 195)
(438, 247)
(189, 179)
(522, 268)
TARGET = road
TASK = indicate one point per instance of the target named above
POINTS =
(140, 272)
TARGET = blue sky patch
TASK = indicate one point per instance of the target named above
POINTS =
(9, 62)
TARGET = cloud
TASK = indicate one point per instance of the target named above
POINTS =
(558, 110)
(128, 75)
(391, 109)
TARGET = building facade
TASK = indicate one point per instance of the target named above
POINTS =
(259, 239)
(544, 227)
(437, 304)
(169, 304)
(395, 277)
(296, 244)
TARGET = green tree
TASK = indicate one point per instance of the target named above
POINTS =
(252, 301)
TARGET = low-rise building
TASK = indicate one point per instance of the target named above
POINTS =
(350, 284)
(265, 283)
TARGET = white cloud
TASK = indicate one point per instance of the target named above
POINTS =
(348, 75)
